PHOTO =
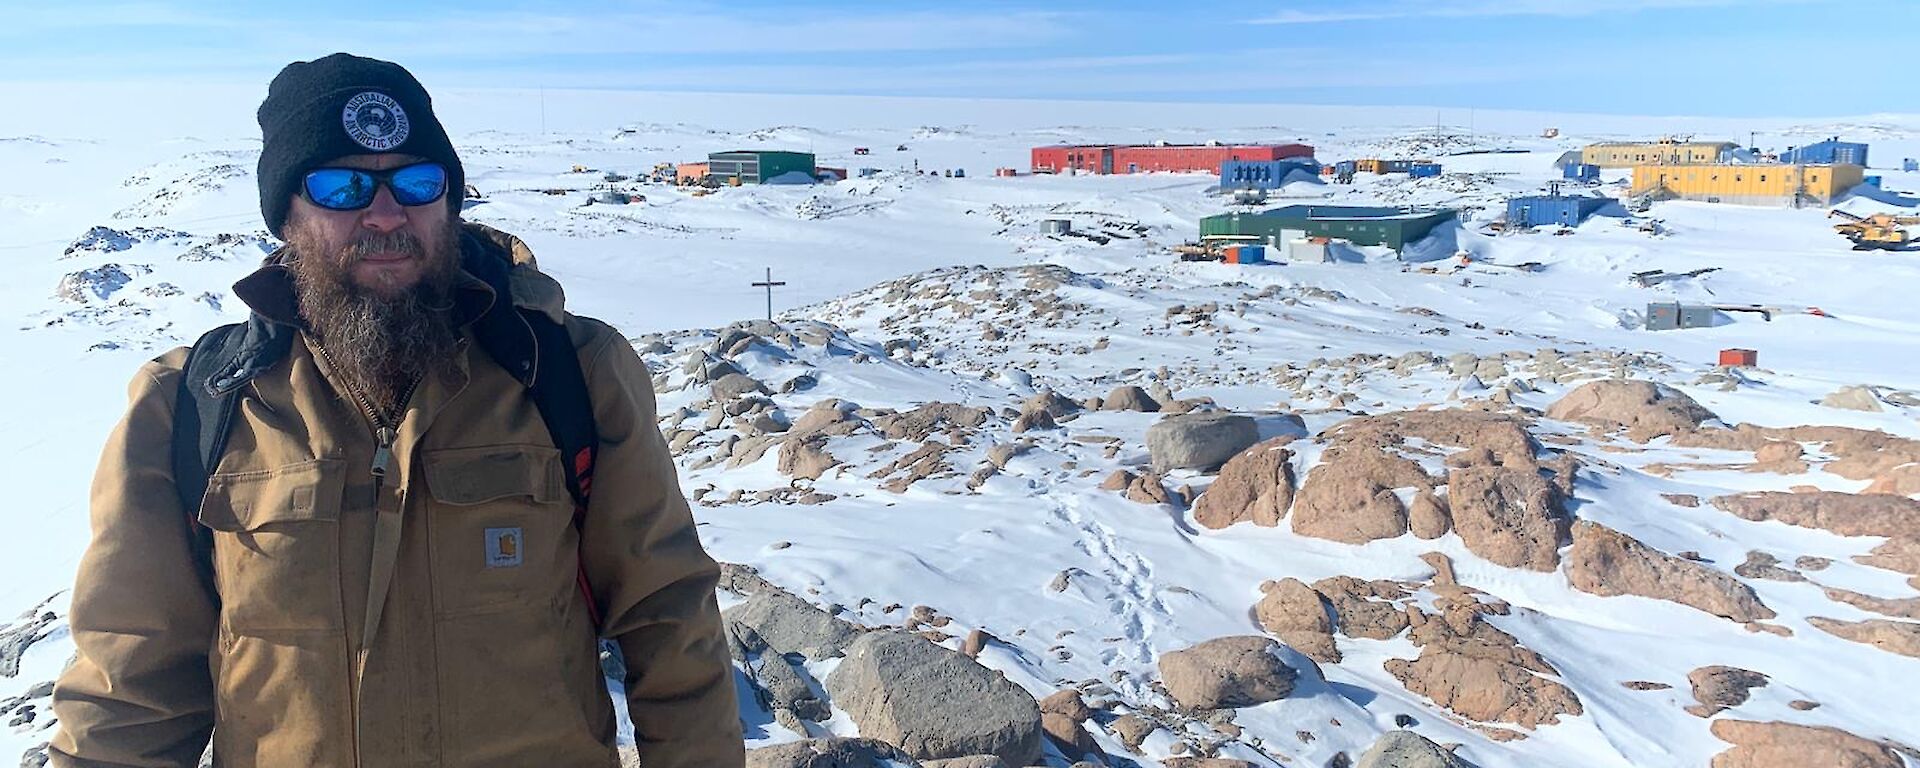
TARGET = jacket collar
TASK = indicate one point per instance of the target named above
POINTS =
(492, 264)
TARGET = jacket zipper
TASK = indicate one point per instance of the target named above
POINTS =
(384, 436)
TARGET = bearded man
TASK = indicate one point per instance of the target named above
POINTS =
(363, 528)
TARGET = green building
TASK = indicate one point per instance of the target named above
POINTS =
(1391, 227)
(754, 166)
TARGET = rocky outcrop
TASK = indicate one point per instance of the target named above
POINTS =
(1645, 409)
(1199, 441)
(933, 702)
(1364, 608)
(1786, 745)
(1479, 672)
(1888, 464)
(1509, 515)
(1350, 496)
(1609, 563)
(1899, 608)
(1406, 749)
(971, 761)
(1847, 514)
(789, 624)
(1292, 611)
(835, 752)
(1227, 672)
(920, 422)
(1716, 688)
(1256, 485)
(1899, 637)
(1355, 494)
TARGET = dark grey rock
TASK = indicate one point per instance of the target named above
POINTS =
(1201, 441)
(933, 702)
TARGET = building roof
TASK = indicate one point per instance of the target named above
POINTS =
(1350, 212)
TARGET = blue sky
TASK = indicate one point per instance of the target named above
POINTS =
(1700, 57)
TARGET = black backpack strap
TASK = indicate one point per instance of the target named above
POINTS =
(560, 392)
(210, 384)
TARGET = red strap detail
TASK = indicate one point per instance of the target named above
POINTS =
(583, 474)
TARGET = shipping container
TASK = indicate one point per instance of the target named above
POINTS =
(1056, 226)
(1745, 358)
(1307, 250)
(1910, 165)
(1244, 254)
(1546, 210)
(1668, 316)
(1582, 172)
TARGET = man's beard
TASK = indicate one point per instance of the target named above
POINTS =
(380, 343)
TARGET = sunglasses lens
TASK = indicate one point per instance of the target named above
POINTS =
(339, 189)
(419, 184)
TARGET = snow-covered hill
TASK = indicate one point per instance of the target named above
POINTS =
(894, 458)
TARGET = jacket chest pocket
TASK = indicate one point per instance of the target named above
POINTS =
(502, 528)
(277, 546)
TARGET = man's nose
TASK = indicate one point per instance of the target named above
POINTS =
(384, 214)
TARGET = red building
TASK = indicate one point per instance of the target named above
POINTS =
(1145, 158)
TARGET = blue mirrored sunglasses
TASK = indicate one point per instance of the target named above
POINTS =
(351, 189)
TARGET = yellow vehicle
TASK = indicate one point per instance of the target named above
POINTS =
(1881, 230)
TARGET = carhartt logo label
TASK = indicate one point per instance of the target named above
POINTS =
(503, 547)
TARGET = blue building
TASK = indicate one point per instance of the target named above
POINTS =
(1547, 210)
(1910, 165)
(1423, 170)
(1827, 152)
(1582, 172)
(1265, 174)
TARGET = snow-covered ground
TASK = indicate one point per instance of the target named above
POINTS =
(910, 269)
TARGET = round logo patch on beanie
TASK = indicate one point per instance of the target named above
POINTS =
(375, 121)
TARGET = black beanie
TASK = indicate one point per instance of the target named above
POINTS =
(322, 110)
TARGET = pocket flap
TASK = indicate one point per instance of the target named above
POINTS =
(308, 491)
(464, 476)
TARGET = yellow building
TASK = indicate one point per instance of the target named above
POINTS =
(1748, 184)
(1627, 154)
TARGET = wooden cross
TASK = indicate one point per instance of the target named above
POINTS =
(769, 284)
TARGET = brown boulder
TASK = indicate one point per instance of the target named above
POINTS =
(1147, 489)
(1350, 497)
(1129, 398)
(1069, 703)
(1891, 636)
(1066, 734)
(1647, 410)
(1133, 730)
(1902, 607)
(1479, 672)
(1360, 607)
(1429, 517)
(805, 457)
(1293, 611)
(1118, 481)
(1718, 687)
(1227, 672)
(1509, 515)
(1786, 745)
(1255, 485)
(1609, 563)
(1847, 514)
